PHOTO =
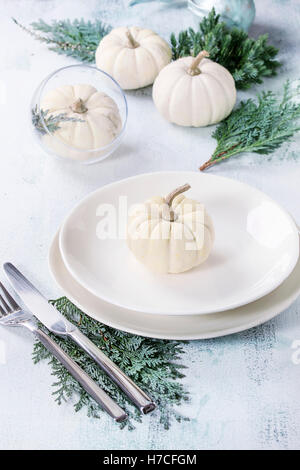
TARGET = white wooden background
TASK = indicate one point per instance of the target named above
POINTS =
(244, 388)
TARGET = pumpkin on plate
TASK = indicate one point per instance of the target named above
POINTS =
(96, 119)
(194, 91)
(133, 56)
(172, 234)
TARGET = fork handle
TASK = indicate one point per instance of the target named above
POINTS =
(136, 395)
(112, 408)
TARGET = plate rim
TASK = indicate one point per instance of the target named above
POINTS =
(231, 306)
(275, 311)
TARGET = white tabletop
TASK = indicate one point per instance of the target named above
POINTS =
(244, 388)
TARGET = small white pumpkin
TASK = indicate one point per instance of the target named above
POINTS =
(194, 91)
(172, 234)
(133, 56)
(96, 123)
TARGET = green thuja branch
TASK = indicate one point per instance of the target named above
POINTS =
(78, 38)
(260, 127)
(247, 59)
(44, 121)
(152, 364)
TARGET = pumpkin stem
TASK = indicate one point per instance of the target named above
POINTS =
(132, 42)
(79, 107)
(194, 70)
(168, 213)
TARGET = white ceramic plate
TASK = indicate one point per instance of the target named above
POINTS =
(255, 250)
(180, 327)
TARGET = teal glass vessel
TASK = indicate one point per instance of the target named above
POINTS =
(239, 13)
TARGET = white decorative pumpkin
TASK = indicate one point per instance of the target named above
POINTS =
(194, 91)
(96, 120)
(172, 234)
(133, 56)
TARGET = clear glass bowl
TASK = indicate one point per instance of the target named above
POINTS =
(72, 75)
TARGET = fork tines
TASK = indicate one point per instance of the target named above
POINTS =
(9, 305)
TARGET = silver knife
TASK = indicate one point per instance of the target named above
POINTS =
(59, 325)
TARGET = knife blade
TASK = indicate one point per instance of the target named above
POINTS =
(58, 324)
(37, 303)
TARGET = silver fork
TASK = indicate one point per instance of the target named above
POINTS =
(11, 314)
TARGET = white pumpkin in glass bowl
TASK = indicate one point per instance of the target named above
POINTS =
(171, 234)
(133, 56)
(91, 120)
(194, 91)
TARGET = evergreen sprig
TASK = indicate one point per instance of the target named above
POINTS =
(152, 364)
(248, 60)
(260, 127)
(77, 38)
(52, 122)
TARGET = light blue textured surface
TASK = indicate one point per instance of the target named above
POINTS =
(244, 388)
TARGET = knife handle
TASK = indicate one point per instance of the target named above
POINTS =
(112, 408)
(136, 395)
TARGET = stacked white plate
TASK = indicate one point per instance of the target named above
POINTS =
(252, 274)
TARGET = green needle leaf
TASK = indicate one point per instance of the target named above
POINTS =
(77, 38)
(51, 121)
(260, 127)
(247, 59)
